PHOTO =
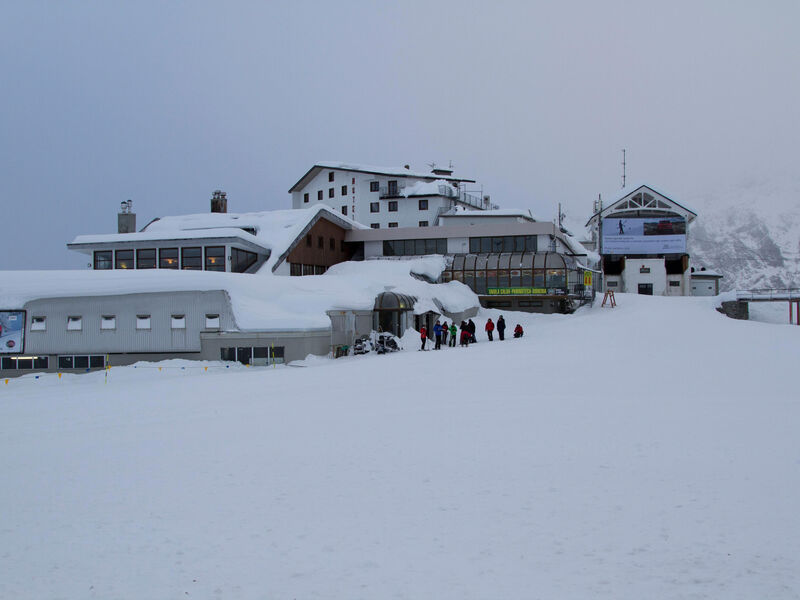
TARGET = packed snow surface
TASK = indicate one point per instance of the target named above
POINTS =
(645, 451)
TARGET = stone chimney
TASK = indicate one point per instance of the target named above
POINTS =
(219, 202)
(126, 219)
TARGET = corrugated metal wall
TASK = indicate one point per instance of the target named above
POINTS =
(161, 337)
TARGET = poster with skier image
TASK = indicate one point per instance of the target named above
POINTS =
(12, 331)
(644, 236)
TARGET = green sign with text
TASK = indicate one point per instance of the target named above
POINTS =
(515, 291)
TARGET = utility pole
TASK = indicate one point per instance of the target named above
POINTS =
(623, 168)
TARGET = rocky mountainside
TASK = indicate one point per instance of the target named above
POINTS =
(750, 234)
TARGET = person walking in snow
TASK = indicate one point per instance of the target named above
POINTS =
(445, 330)
(501, 328)
(489, 329)
(453, 331)
(437, 335)
(423, 335)
(518, 331)
(471, 329)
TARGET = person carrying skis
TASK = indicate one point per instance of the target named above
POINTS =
(423, 335)
(489, 329)
(501, 328)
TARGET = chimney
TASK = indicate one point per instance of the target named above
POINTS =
(126, 219)
(407, 167)
(219, 202)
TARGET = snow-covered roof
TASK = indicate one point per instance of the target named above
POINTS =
(706, 273)
(268, 302)
(425, 188)
(462, 211)
(361, 168)
(275, 230)
(618, 195)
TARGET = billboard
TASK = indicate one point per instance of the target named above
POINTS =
(12, 331)
(644, 236)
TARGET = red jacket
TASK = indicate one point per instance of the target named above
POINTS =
(423, 333)
(489, 326)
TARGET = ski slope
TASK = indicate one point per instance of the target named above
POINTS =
(646, 451)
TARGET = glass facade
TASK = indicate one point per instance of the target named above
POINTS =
(507, 243)
(414, 247)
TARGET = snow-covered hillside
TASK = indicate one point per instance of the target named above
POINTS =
(646, 451)
(750, 234)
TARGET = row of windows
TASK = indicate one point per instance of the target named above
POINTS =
(253, 355)
(506, 243)
(321, 242)
(414, 247)
(190, 258)
(375, 207)
(394, 224)
(11, 363)
(331, 193)
(81, 361)
(109, 322)
(480, 281)
(298, 269)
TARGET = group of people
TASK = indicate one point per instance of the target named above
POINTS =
(442, 332)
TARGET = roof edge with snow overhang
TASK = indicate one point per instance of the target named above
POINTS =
(374, 170)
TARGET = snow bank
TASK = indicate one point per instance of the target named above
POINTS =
(259, 302)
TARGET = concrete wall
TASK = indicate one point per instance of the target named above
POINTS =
(632, 275)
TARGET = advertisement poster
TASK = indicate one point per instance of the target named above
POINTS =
(644, 236)
(12, 331)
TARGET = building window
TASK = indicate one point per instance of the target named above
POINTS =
(374, 186)
(241, 260)
(341, 245)
(612, 284)
(168, 258)
(375, 225)
(38, 324)
(332, 244)
(102, 260)
(676, 284)
(74, 323)
(374, 207)
(212, 321)
(423, 204)
(308, 241)
(308, 269)
(330, 176)
(506, 243)
(392, 205)
(414, 247)
(142, 321)
(123, 259)
(177, 322)
(644, 269)
(392, 188)
(344, 210)
(146, 258)
(305, 197)
(192, 258)
(295, 270)
(215, 258)
(320, 242)
(256, 355)
(392, 225)
(108, 322)
(65, 362)
(423, 223)
(319, 195)
(331, 193)
(344, 190)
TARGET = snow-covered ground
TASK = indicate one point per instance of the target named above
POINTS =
(646, 451)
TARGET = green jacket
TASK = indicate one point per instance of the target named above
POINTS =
(453, 329)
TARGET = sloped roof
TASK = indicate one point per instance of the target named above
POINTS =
(390, 171)
(624, 193)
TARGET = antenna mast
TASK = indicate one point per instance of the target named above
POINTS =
(623, 167)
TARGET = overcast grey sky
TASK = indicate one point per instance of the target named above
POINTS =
(163, 102)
